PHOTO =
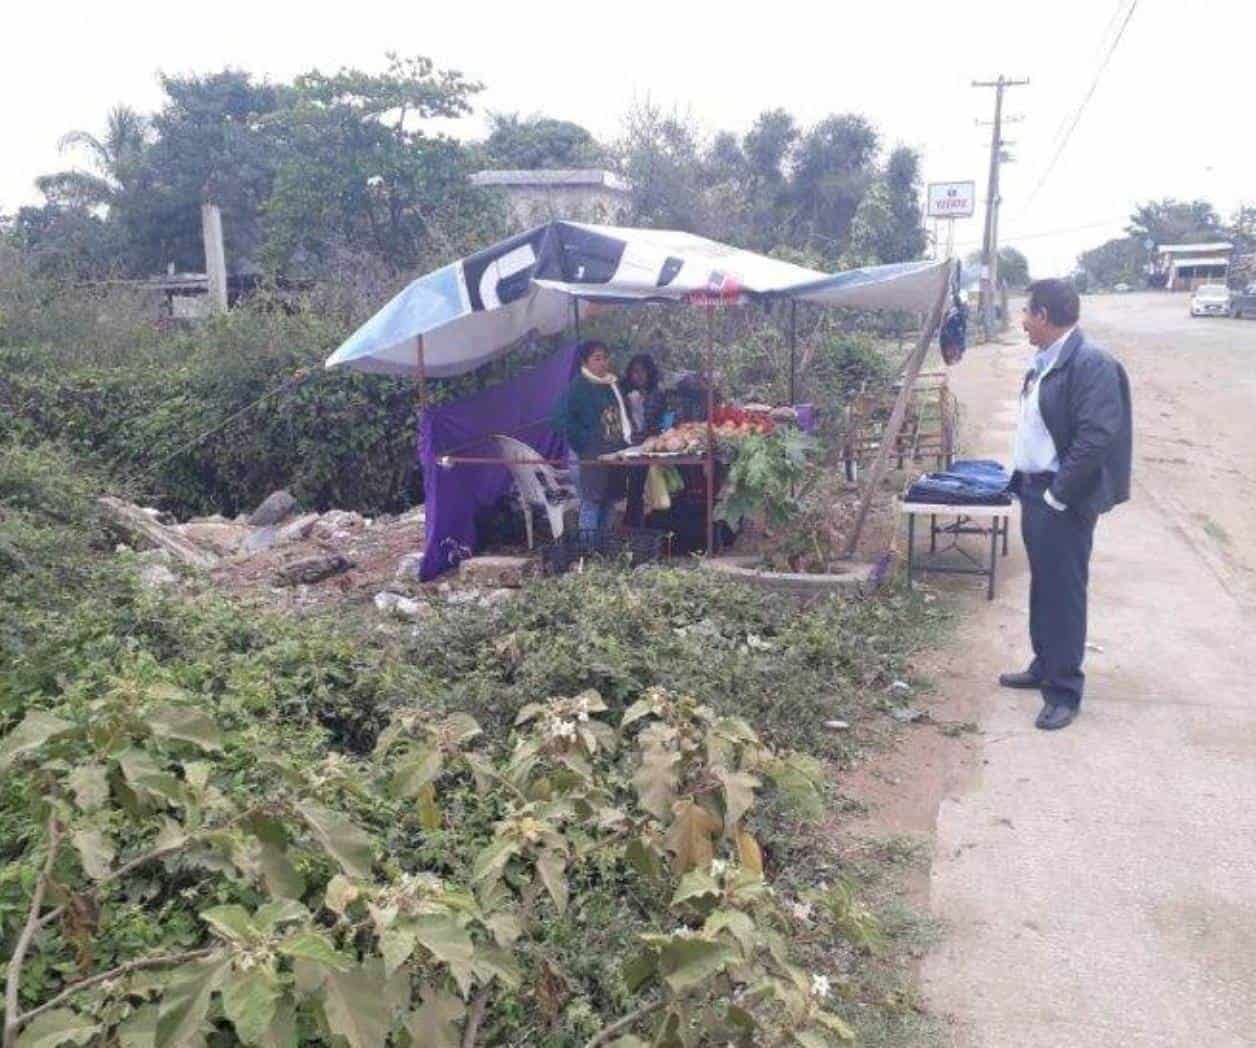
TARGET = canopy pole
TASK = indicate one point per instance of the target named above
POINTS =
(793, 346)
(422, 363)
(575, 309)
(889, 438)
(710, 441)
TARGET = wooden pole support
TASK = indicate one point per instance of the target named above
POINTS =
(710, 428)
(889, 439)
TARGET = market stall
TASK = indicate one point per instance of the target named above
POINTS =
(495, 302)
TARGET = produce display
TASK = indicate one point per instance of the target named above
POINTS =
(730, 423)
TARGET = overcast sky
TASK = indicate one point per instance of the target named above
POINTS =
(1168, 118)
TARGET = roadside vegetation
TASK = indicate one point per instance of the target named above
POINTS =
(601, 813)
(516, 825)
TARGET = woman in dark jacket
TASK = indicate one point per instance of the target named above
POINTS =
(646, 404)
(593, 418)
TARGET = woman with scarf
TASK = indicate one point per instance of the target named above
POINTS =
(593, 418)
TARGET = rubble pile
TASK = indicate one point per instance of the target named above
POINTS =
(303, 560)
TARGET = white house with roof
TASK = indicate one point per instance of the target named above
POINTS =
(577, 194)
(1187, 266)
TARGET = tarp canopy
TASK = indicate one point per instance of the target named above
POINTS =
(479, 308)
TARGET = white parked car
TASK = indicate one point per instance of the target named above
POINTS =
(1122, 288)
(1211, 300)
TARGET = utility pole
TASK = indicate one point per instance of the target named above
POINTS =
(990, 236)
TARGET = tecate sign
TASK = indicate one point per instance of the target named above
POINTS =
(952, 199)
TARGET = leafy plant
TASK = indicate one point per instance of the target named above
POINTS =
(313, 928)
(768, 479)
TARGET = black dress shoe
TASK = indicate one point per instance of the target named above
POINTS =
(1020, 680)
(1052, 718)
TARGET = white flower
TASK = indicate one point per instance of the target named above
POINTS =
(556, 728)
(802, 911)
(375, 181)
(718, 866)
(819, 986)
(582, 709)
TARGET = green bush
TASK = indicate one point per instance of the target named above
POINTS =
(183, 423)
(283, 763)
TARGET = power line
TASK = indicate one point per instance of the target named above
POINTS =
(1051, 232)
(1104, 38)
(1077, 116)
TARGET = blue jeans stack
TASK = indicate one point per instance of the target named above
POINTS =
(968, 482)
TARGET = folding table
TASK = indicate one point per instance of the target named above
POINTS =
(967, 521)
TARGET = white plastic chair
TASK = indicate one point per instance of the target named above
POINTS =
(537, 484)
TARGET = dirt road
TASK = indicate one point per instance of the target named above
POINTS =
(1099, 884)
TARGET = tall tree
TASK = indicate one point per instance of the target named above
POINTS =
(768, 143)
(1013, 266)
(66, 242)
(1242, 229)
(660, 154)
(1172, 221)
(1121, 260)
(767, 148)
(352, 173)
(211, 145)
(528, 143)
(905, 238)
(834, 164)
(116, 162)
(724, 161)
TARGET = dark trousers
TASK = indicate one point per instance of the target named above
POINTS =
(634, 515)
(1058, 543)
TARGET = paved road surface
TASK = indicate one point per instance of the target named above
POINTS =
(1099, 883)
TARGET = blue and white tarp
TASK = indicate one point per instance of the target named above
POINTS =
(479, 308)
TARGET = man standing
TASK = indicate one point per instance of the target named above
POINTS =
(1071, 463)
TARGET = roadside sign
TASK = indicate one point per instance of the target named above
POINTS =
(952, 199)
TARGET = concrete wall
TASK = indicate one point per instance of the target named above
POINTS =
(534, 205)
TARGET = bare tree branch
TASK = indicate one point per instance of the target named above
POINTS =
(13, 978)
(153, 856)
(624, 1023)
(115, 973)
(476, 1016)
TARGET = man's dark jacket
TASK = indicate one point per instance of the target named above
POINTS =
(1086, 407)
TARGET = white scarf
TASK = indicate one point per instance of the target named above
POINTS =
(610, 380)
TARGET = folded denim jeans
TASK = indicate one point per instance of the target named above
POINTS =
(969, 482)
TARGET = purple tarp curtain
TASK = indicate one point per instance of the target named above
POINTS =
(519, 408)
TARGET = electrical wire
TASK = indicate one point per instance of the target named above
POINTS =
(1104, 39)
(1077, 116)
(1048, 233)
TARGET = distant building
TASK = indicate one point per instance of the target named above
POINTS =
(582, 195)
(1185, 266)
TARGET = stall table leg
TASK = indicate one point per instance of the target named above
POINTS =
(994, 556)
(998, 528)
(911, 548)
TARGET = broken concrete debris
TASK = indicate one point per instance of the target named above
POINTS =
(309, 570)
(278, 506)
